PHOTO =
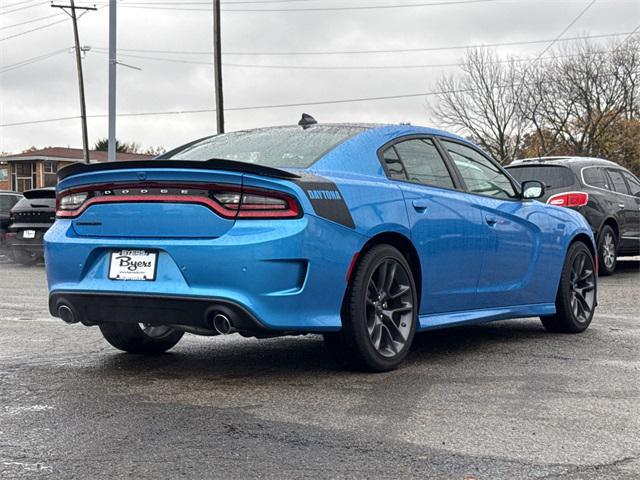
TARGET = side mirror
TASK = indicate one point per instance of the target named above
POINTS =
(532, 189)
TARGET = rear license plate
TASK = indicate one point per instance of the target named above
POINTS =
(133, 265)
(29, 234)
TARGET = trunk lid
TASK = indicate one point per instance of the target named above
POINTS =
(156, 198)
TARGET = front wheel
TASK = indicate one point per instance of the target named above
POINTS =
(380, 315)
(140, 338)
(576, 297)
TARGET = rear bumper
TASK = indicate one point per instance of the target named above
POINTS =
(14, 240)
(287, 275)
(96, 308)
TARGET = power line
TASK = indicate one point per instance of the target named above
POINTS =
(170, 6)
(31, 60)
(33, 20)
(24, 8)
(353, 52)
(331, 67)
(565, 30)
(33, 30)
(257, 107)
(16, 4)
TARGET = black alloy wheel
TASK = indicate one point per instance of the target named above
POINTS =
(380, 313)
(576, 298)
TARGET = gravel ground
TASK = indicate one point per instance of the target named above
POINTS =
(499, 401)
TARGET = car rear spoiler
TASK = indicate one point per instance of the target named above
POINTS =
(40, 193)
(215, 164)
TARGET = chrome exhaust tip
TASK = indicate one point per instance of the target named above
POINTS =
(222, 324)
(66, 313)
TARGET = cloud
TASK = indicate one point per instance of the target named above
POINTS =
(48, 89)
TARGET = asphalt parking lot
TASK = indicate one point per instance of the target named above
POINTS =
(498, 401)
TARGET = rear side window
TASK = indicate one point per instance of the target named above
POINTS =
(553, 176)
(420, 163)
(596, 177)
(395, 169)
(618, 182)
(633, 182)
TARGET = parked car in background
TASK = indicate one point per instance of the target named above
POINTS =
(7, 201)
(363, 233)
(604, 192)
(31, 217)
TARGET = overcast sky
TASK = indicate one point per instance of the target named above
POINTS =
(47, 88)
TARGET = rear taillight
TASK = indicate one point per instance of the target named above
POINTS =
(71, 202)
(569, 199)
(229, 201)
(259, 204)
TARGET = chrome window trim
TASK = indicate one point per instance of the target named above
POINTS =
(604, 189)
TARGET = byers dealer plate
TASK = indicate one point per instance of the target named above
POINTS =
(133, 265)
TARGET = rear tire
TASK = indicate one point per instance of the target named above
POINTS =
(24, 258)
(380, 314)
(140, 339)
(607, 251)
(576, 298)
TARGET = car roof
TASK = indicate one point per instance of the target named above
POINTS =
(567, 161)
(381, 127)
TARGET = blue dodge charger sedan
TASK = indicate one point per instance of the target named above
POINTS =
(365, 234)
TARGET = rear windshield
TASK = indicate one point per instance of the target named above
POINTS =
(36, 203)
(552, 176)
(292, 147)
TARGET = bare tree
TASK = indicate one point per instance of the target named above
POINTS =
(482, 103)
(574, 99)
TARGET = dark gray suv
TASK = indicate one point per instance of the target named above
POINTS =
(7, 201)
(604, 192)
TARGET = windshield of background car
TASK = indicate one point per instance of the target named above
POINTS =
(292, 147)
(552, 176)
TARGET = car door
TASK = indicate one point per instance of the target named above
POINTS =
(632, 208)
(625, 205)
(515, 229)
(447, 230)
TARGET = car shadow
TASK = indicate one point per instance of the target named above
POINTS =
(303, 356)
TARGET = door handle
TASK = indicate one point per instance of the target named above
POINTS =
(491, 221)
(621, 206)
(420, 205)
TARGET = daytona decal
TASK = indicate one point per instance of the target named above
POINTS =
(326, 199)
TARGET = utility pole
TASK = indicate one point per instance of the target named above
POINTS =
(76, 38)
(111, 150)
(217, 66)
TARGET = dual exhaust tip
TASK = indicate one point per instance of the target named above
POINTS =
(220, 322)
(67, 314)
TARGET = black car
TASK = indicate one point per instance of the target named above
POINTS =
(7, 201)
(31, 217)
(604, 192)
